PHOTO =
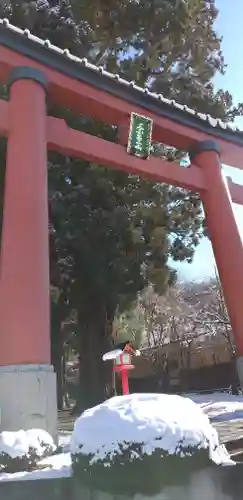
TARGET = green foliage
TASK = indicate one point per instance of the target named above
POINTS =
(26, 463)
(170, 45)
(129, 325)
(130, 471)
(115, 228)
(11, 465)
(51, 20)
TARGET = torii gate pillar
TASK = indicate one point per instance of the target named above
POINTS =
(225, 237)
(27, 379)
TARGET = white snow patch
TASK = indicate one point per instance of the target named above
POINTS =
(56, 462)
(18, 444)
(152, 420)
(56, 466)
(111, 354)
(219, 406)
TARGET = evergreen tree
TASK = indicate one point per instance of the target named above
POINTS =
(114, 232)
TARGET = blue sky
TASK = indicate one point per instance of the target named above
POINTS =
(230, 26)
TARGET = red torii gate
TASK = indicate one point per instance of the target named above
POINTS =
(33, 68)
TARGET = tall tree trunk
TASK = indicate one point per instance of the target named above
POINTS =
(66, 402)
(95, 375)
(57, 362)
(57, 351)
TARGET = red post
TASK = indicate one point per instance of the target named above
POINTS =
(224, 233)
(24, 304)
(124, 380)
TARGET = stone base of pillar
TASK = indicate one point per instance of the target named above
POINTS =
(28, 398)
(239, 367)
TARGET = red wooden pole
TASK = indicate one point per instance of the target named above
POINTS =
(27, 379)
(124, 380)
(24, 315)
(224, 233)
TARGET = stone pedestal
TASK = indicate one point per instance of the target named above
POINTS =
(28, 398)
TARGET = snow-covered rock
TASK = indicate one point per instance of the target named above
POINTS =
(21, 450)
(144, 432)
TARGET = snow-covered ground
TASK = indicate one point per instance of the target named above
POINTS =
(219, 406)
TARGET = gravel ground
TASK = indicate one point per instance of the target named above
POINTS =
(65, 421)
(230, 431)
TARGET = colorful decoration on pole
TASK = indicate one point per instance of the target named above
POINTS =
(122, 362)
(140, 136)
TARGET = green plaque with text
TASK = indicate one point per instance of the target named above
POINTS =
(140, 136)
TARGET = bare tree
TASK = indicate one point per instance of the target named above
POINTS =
(169, 323)
(211, 311)
(187, 317)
